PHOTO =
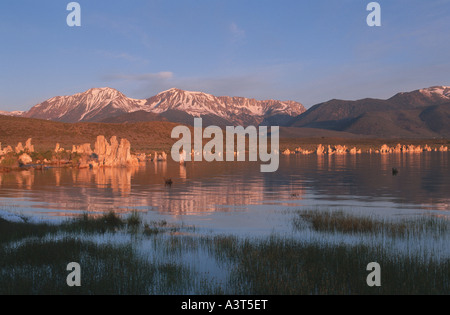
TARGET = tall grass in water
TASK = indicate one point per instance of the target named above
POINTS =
(33, 260)
(340, 221)
(291, 267)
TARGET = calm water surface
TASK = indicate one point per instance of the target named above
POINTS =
(237, 197)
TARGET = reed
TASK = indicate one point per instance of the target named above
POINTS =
(277, 266)
(344, 222)
(33, 258)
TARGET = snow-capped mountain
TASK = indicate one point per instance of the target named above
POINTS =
(91, 105)
(102, 103)
(14, 113)
(423, 97)
(237, 110)
(110, 105)
(444, 91)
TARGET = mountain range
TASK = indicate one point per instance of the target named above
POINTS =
(175, 105)
(423, 113)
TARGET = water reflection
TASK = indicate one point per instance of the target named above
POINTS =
(200, 188)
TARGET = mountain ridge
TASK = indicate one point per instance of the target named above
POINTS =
(419, 113)
(99, 104)
(406, 114)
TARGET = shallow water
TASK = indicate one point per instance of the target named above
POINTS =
(236, 197)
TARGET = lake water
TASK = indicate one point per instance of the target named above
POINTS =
(237, 197)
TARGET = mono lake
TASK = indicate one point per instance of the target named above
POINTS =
(217, 209)
(236, 197)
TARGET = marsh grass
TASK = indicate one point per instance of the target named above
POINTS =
(134, 220)
(108, 222)
(33, 259)
(281, 266)
(340, 221)
(12, 231)
(39, 268)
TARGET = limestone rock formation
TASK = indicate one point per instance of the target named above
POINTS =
(340, 149)
(25, 159)
(58, 148)
(82, 149)
(385, 149)
(320, 150)
(6, 150)
(28, 146)
(142, 157)
(113, 153)
(160, 157)
(19, 148)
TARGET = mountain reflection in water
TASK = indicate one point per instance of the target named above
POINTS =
(350, 181)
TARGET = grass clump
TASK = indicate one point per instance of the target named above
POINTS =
(339, 221)
(109, 222)
(34, 257)
(40, 268)
(134, 220)
(277, 266)
(13, 231)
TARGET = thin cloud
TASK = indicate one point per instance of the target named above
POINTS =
(245, 85)
(237, 33)
(122, 56)
(164, 75)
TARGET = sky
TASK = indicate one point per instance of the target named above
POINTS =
(301, 50)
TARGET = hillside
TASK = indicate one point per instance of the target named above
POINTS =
(418, 114)
(155, 136)
(138, 116)
(145, 136)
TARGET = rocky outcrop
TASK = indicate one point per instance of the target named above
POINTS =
(331, 151)
(159, 157)
(58, 148)
(320, 150)
(339, 149)
(28, 146)
(142, 157)
(384, 149)
(112, 153)
(6, 150)
(25, 159)
(105, 154)
(83, 149)
(299, 150)
(19, 148)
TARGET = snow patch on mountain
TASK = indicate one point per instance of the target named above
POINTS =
(443, 91)
(96, 102)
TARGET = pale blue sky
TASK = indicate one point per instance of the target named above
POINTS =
(307, 51)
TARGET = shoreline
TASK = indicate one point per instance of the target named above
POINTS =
(313, 150)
